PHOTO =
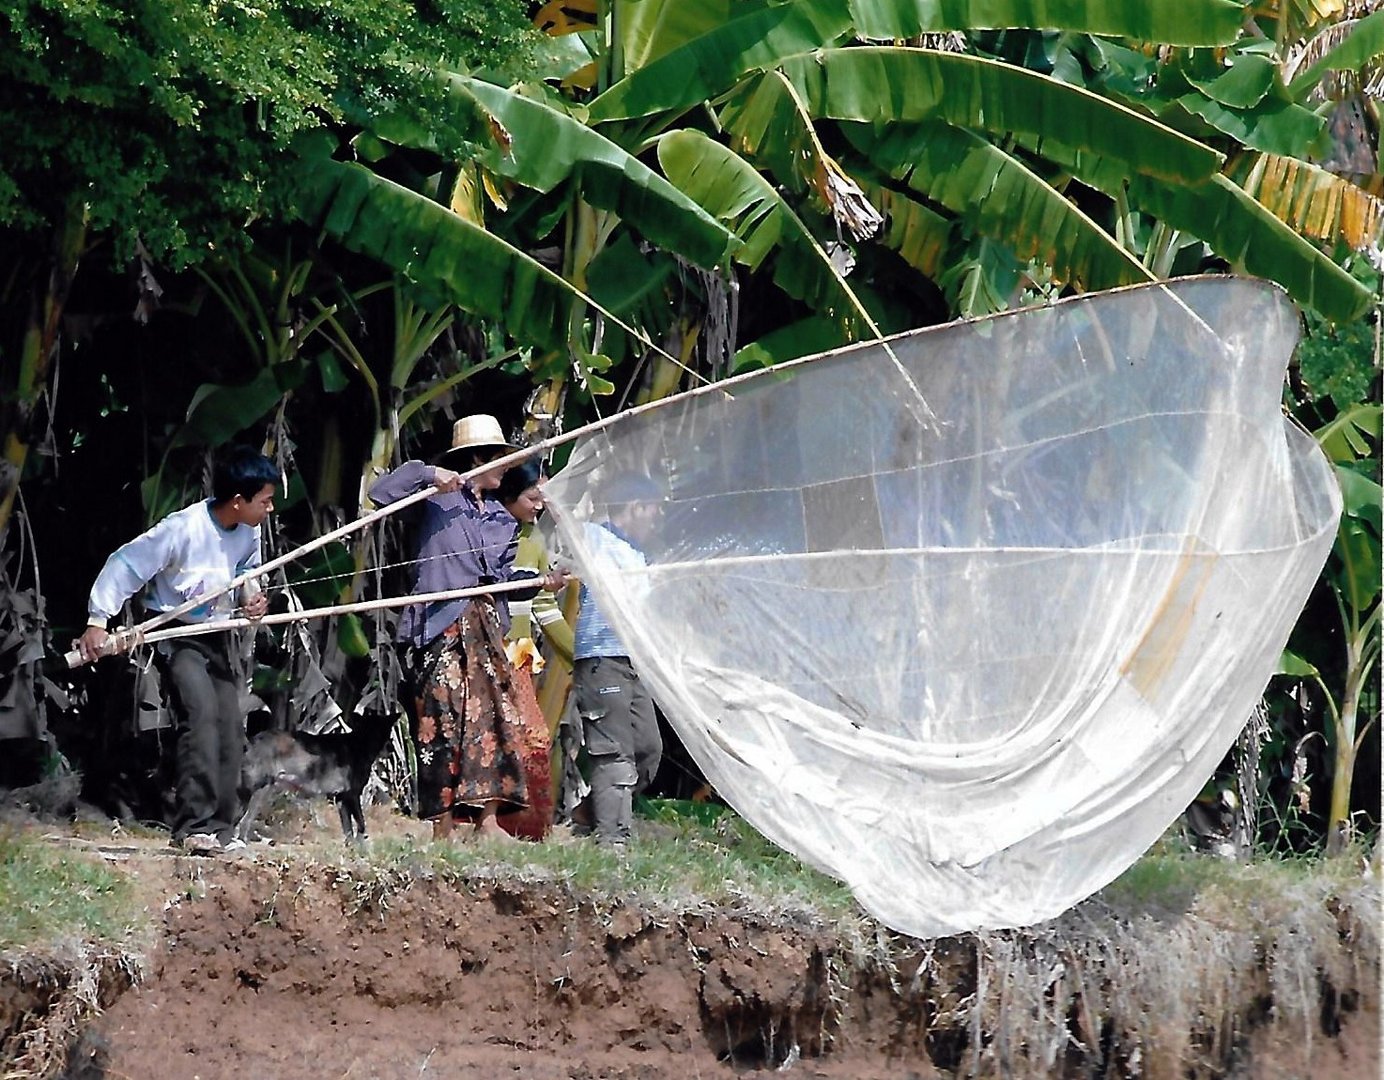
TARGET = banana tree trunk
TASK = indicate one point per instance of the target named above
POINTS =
(1347, 745)
(36, 353)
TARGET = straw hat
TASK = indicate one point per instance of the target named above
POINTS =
(476, 432)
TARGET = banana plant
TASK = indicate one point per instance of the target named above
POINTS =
(1353, 573)
(1332, 64)
(1265, 102)
(1087, 187)
(995, 148)
(960, 148)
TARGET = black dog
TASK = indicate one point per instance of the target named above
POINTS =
(335, 766)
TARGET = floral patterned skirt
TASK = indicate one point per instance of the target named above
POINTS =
(470, 726)
(532, 823)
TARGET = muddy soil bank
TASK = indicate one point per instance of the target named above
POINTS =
(309, 970)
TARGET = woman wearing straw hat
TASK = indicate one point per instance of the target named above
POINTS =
(466, 720)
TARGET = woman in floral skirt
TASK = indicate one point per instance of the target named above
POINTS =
(466, 716)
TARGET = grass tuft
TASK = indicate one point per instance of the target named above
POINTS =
(676, 866)
(53, 896)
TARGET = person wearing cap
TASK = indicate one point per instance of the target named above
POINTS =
(465, 716)
(619, 725)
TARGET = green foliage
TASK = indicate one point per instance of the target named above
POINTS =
(951, 165)
(802, 338)
(891, 84)
(1364, 44)
(321, 576)
(1170, 877)
(1240, 95)
(758, 37)
(446, 257)
(172, 118)
(547, 147)
(1339, 374)
(734, 192)
(1337, 362)
(1177, 22)
(52, 895)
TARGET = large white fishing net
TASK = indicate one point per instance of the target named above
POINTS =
(969, 628)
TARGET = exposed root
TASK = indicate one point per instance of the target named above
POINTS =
(51, 999)
(1160, 998)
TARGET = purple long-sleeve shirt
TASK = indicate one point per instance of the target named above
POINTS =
(461, 543)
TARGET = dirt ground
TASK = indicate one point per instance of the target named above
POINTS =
(290, 972)
(287, 967)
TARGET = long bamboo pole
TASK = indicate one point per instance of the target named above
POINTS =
(506, 460)
(124, 640)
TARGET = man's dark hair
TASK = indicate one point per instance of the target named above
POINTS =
(518, 479)
(242, 472)
(631, 487)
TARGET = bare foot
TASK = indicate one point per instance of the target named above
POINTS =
(489, 829)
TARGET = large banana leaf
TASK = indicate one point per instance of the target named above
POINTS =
(467, 118)
(710, 64)
(998, 196)
(734, 192)
(1206, 93)
(766, 124)
(1347, 437)
(646, 29)
(1240, 81)
(1170, 22)
(439, 252)
(1313, 201)
(1239, 94)
(815, 334)
(887, 85)
(219, 412)
(1237, 228)
(919, 235)
(1252, 239)
(546, 147)
(770, 126)
(1273, 126)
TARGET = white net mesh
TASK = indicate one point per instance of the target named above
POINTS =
(972, 665)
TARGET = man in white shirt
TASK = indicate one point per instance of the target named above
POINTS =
(194, 552)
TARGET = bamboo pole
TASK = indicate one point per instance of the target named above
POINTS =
(506, 460)
(124, 640)
(273, 564)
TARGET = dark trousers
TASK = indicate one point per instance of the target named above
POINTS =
(623, 746)
(204, 692)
